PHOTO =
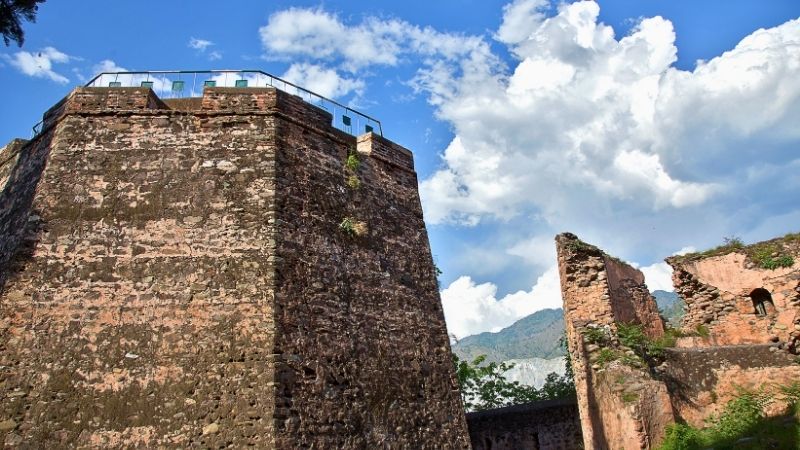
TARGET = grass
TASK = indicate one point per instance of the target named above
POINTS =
(629, 397)
(353, 227)
(605, 356)
(353, 182)
(634, 337)
(769, 255)
(743, 425)
(353, 161)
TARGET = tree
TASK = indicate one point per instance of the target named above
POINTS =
(484, 386)
(12, 12)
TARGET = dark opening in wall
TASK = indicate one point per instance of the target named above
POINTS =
(762, 302)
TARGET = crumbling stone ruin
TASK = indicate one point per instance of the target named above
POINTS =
(205, 273)
(740, 331)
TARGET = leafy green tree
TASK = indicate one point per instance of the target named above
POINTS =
(12, 12)
(484, 385)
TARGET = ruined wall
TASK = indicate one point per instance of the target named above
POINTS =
(717, 290)
(620, 405)
(186, 283)
(546, 425)
(701, 381)
(725, 346)
(729, 345)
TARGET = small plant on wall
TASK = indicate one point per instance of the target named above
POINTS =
(351, 165)
(353, 161)
(353, 227)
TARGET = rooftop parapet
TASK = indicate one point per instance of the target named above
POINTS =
(216, 100)
(186, 84)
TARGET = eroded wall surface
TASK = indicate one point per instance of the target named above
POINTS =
(621, 407)
(546, 425)
(180, 278)
(727, 345)
(717, 291)
(730, 345)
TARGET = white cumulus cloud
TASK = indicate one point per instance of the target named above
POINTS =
(471, 308)
(324, 81)
(587, 118)
(199, 44)
(202, 45)
(318, 34)
(40, 64)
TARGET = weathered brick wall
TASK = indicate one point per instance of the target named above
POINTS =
(21, 166)
(625, 404)
(620, 406)
(187, 284)
(546, 425)
(717, 292)
(701, 381)
(370, 330)
(631, 301)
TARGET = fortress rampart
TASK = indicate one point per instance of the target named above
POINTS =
(204, 273)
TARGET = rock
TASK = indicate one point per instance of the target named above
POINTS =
(227, 166)
(8, 425)
(130, 355)
(211, 428)
(192, 220)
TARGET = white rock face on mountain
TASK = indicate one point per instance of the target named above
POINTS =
(533, 371)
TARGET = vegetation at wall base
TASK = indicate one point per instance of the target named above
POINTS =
(743, 425)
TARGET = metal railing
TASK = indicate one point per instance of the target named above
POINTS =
(190, 83)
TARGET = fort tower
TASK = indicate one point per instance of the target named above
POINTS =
(223, 270)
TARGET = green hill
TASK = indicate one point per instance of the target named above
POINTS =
(536, 335)
(670, 306)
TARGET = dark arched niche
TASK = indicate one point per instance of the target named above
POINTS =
(762, 302)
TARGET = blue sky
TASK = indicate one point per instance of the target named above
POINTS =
(526, 117)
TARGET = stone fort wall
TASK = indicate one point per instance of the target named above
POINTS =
(179, 277)
(545, 425)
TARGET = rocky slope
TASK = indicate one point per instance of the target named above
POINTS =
(534, 336)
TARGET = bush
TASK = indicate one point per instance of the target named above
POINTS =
(597, 336)
(484, 385)
(634, 337)
(741, 425)
(353, 182)
(352, 162)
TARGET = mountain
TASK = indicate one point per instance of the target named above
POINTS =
(670, 306)
(534, 336)
(532, 371)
